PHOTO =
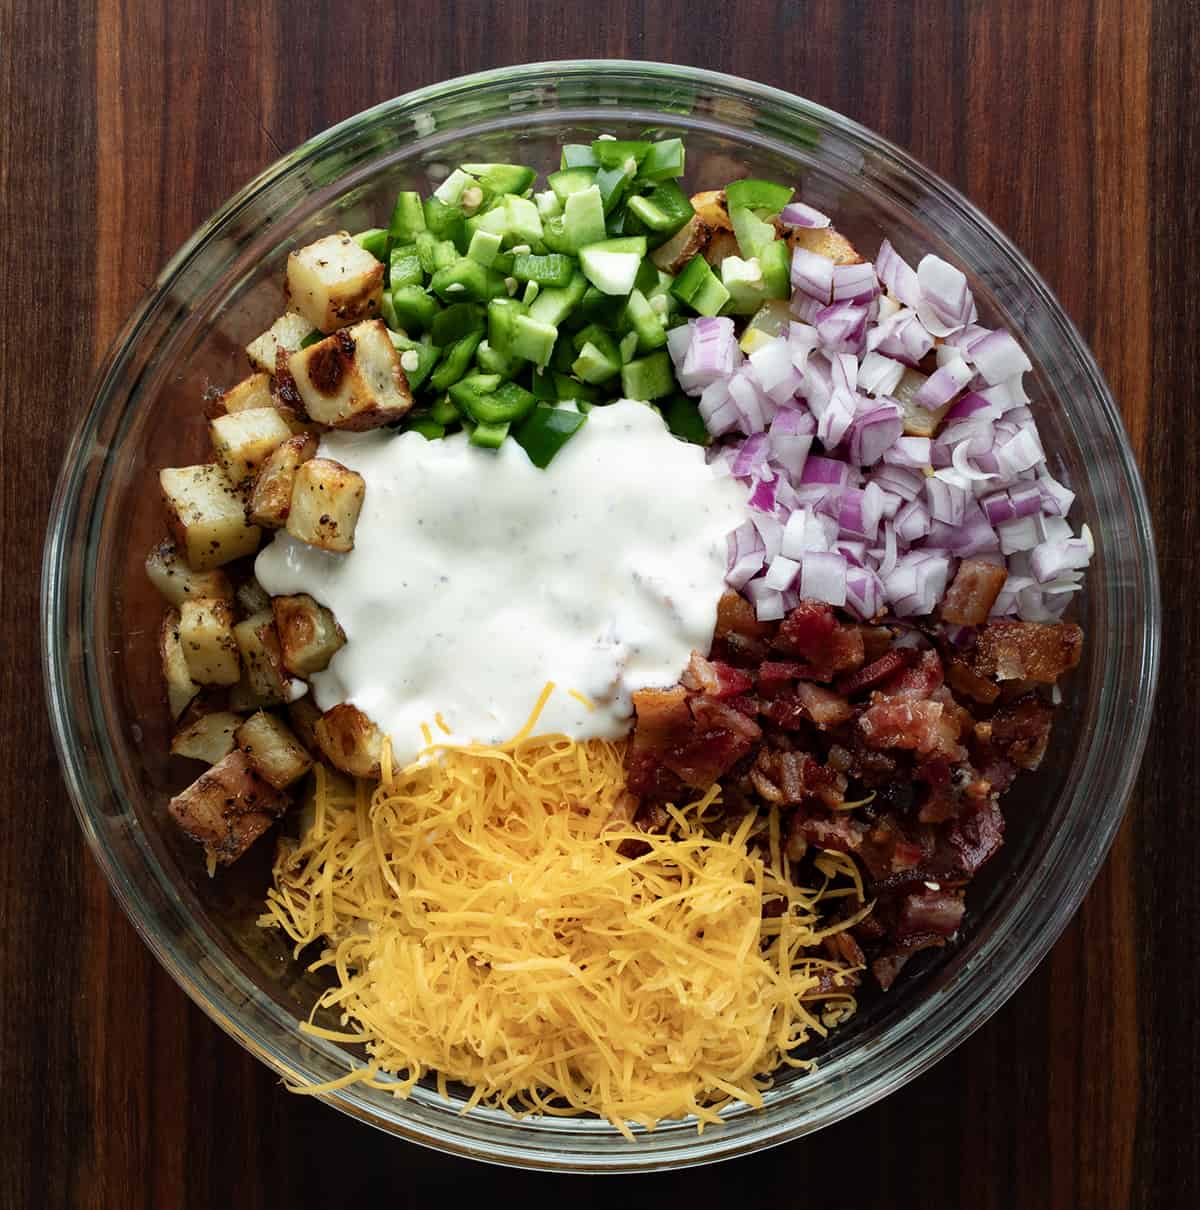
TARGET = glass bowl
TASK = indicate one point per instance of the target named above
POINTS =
(222, 288)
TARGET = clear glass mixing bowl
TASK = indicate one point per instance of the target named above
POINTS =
(223, 286)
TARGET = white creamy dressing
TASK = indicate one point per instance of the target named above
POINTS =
(475, 577)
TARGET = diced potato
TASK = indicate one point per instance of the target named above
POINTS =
(334, 282)
(919, 421)
(691, 238)
(303, 714)
(274, 752)
(252, 392)
(352, 379)
(350, 741)
(271, 496)
(266, 676)
(206, 633)
(712, 209)
(243, 441)
(252, 597)
(825, 241)
(288, 332)
(227, 808)
(180, 686)
(308, 633)
(326, 501)
(244, 698)
(178, 582)
(207, 516)
(720, 248)
(209, 738)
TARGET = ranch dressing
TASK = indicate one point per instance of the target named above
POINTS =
(475, 578)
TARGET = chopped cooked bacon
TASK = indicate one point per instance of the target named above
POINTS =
(1027, 651)
(927, 911)
(970, 598)
(803, 714)
(715, 677)
(878, 670)
(924, 726)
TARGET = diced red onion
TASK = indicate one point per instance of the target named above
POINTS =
(854, 282)
(823, 578)
(744, 392)
(946, 496)
(910, 452)
(917, 583)
(1049, 560)
(1056, 499)
(825, 470)
(1022, 533)
(768, 602)
(797, 214)
(773, 368)
(864, 593)
(762, 497)
(943, 384)
(878, 374)
(873, 433)
(1026, 499)
(802, 339)
(903, 336)
(812, 274)
(912, 522)
(964, 468)
(746, 555)
(836, 419)
(859, 512)
(853, 550)
(905, 484)
(998, 508)
(966, 339)
(712, 353)
(945, 304)
(790, 438)
(842, 327)
(770, 529)
(897, 275)
(752, 456)
(998, 357)
(1021, 453)
(782, 573)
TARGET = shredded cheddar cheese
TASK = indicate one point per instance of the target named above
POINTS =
(482, 927)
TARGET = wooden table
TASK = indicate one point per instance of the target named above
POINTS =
(1073, 124)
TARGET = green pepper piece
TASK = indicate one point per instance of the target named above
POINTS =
(417, 359)
(752, 232)
(664, 161)
(542, 385)
(664, 209)
(763, 197)
(776, 261)
(387, 312)
(488, 436)
(502, 178)
(446, 222)
(414, 310)
(492, 361)
(553, 269)
(507, 404)
(404, 266)
(555, 303)
(645, 322)
(598, 307)
(617, 153)
(533, 339)
(374, 241)
(577, 155)
(465, 278)
(484, 247)
(648, 378)
(408, 218)
(457, 321)
(455, 361)
(545, 431)
(467, 390)
(684, 420)
(599, 358)
(427, 427)
(501, 316)
(613, 184)
(571, 180)
(444, 412)
(698, 287)
(566, 387)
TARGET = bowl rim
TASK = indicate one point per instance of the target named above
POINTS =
(77, 776)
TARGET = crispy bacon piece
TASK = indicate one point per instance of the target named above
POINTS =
(837, 830)
(735, 615)
(919, 678)
(715, 677)
(970, 598)
(874, 673)
(1019, 731)
(1027, 651)
(924, 726)
(663, 717)
(812, 633)
(823, 706)
(887, 967)
(928, 911)
(976, 837)
(962, 678)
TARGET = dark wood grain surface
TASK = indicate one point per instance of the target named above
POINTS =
(1073, 123)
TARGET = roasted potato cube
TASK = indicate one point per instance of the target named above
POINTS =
(352, 379)
(180, 686)
(691, 238)
(178, 582)
(288, 332)
(227, 808)
(252, 392)
(721, 245)
(350, 741)
(209, 738)
(712, 210)
(206, 634)
(274, 752)
(258, 641)
(919, 421)
(303, 714)
(334, 282)
(271, 496)
(244, 698)
(243, 441)
(825, 241)
(308, 633)
(326, 500)
(252, 597)
(207, 516)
